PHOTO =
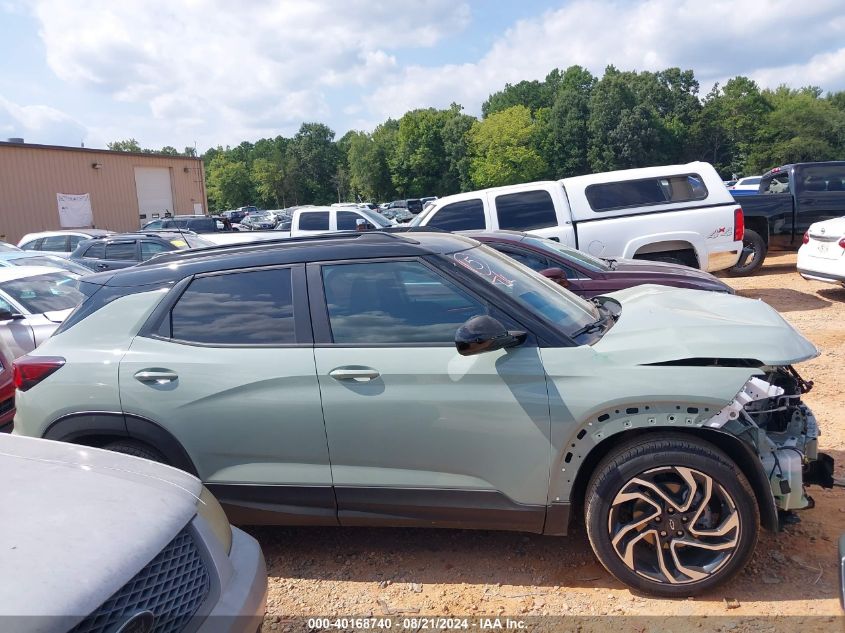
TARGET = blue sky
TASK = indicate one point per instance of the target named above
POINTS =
(180, 72)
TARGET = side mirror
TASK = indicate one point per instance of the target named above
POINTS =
(557, 275)
(485, 334)
(8, 315)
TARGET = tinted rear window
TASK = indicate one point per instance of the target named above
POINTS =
(526, 210)
(648, 191)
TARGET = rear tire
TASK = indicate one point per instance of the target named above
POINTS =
(136, 449)
(758, 245)
(671, 515)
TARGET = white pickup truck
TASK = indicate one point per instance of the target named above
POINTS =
(678, 213)
(310, 221)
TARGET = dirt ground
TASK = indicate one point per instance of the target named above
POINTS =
(791, 583)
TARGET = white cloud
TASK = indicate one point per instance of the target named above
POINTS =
(39, 124)
(235, 67)
(214, 71)
(766, 39)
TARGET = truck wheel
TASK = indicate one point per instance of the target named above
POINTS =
(671, 515)
(751, 239)
(138, 449)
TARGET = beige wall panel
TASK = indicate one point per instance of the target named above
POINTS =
(32, 175)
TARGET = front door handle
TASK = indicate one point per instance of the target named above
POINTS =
(360, 374)
(156, 376)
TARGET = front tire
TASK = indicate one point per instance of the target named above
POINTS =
(671, 516)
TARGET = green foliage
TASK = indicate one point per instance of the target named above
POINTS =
(570, 123)
(127, 145)
(503, 148)
(228, 183)
(800, 126)
(567, 137)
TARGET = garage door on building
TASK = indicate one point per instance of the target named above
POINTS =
(155, 192)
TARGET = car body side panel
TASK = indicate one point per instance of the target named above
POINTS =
(589, 393)
(93, 349)
(434, 419)
(245, 415)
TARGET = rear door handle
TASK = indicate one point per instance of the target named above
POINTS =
(360, 374)
(102, 266)
(156, 376)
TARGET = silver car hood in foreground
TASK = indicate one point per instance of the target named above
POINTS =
(78, 523)
(660, 324)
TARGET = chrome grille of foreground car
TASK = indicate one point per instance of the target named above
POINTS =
(171, 588)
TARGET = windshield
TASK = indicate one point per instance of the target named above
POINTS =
(375, 218)
(420, 217)
(44, 293)
(50, 260)
(556, 248)
(546, 298)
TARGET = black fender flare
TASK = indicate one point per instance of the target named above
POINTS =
(77, 427)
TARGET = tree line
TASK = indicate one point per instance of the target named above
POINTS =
(571, 123)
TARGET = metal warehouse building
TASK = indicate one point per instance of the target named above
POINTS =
(123, 189)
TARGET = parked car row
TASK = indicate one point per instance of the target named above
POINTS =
(669, 420)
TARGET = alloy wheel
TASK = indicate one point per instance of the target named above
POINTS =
(674, 525)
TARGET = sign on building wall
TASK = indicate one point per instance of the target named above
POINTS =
(74, 210)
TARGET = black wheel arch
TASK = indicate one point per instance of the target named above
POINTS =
(742, 455)
(101, 427)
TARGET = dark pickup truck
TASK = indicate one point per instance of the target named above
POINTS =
(789, 200)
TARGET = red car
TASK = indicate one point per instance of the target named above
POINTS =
(7, 390)
(590, 276)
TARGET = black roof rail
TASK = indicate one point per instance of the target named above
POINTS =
(365, 236)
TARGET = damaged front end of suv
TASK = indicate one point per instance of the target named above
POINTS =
(693, 430)
(769, 414)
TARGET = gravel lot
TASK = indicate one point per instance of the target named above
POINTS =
(410, 572)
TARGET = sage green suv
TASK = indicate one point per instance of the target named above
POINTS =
(422, 379)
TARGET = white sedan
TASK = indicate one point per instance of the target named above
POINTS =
(822, 255)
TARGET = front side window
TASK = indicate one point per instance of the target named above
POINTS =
(645, 192)
(243, 308)
(74, 240)
(348, 221)
(32, 245)
(44, 293)
(394, 302)
(567, 252)
(466, 215)
(97, 250)
(120, 251)
(526, 210)
(55, 243)
(314, 221)
(532, 260)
